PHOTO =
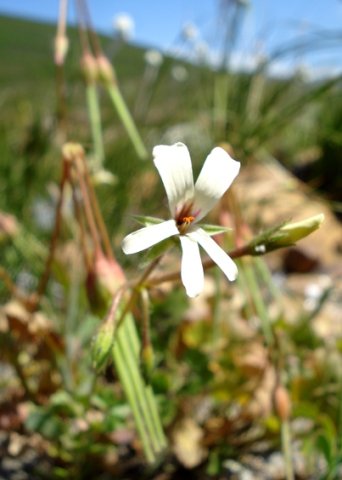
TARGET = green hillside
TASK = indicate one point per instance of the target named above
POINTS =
(254, 113)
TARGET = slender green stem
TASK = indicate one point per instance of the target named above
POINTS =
(95, 123)
(286, 445)
(119, 356)
(132, 362)
(216, 307)
(265, 275)
(44, 279)
(242, 286)
(127, 120)
(69, 329)
(135, 343)
(258, 301)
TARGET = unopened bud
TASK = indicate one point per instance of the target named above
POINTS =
(101, 347)
(282, 403)
(103, 280)
(61, 48)
(8, 225)
(70, 151)
(89, 68)
(106, 70)
(292, 232)
(285, 235)
(147, 361)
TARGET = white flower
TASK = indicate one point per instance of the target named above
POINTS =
(123, 24)
(189, 31)
(188, 204)
(179, 73)
(153, 58)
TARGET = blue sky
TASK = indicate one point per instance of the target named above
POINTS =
(267, 23)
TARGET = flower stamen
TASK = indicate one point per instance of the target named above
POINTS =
(183, 223)
(188, 220)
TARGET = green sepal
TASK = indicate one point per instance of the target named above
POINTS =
(147, 221)
(214, 229)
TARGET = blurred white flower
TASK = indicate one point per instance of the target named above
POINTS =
(313, 293)
(189, 203)
(189, 31)
(103, 177)
(179, 73)
(124, 26)
(153, 58)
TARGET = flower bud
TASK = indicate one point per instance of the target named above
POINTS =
(106, 70)
(72, 150)
(103, 280)
(147, 361)
(292, 232)
(8, 225)
(282, 403)
(284, 235)
(101, 347)
(61, 48)
(89, 68)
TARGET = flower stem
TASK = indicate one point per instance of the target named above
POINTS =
(120, 357)
(286, 446)
(216, 308)
(126, 356)
(135, 343)
(44, 279)
(127, 120)
(95, 123)
(258, 301)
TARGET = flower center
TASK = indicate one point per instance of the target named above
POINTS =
(185, 216)
(183, 222)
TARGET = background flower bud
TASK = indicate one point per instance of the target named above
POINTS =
(282, 403)
(105, 69)
(89, 68)
(61, 49)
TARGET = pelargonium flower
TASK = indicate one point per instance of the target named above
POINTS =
(189, 203)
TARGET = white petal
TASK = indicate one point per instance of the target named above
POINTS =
(174, 166)
(216, 253)
(148, 236)
(192, 269)
(218, 172)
